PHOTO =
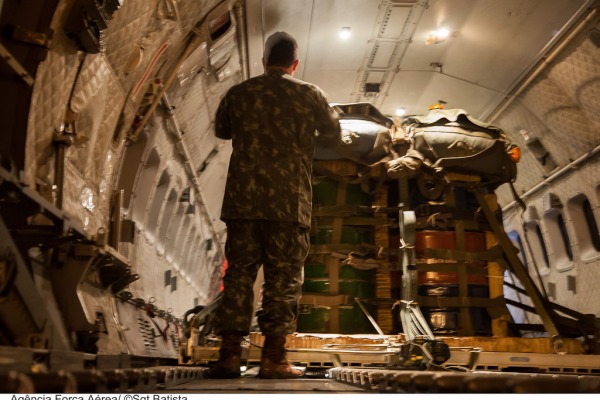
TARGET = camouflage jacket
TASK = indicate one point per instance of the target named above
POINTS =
(271, 120)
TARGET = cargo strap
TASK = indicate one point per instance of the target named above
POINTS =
(449, 267)
(333, 248)
(363, 177)
(465, 321)
(493, 253)
(352, 221)
(369, 317)
(413, 322)
(341, 210)
(430, 209)
(497, 304)
(357, 261)
(332, 264)
(322, 171)
(326, 300)
(349, 155)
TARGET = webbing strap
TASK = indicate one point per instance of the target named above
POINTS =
(344, 210)
(333, 264)
(334, 247)
(362, 221)
(326, 300)
(498, 303)
(449, 267)
(493, 253)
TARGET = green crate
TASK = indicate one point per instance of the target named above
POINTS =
(352, 320)
(350, 235)
(356, 288)
(315, 319)
(349, 272)
(350, 287)
(318, 270)
(315, 286)
(325, 194)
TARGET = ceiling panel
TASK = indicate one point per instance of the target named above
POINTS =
(336, 84)
(416, 91)
(492, 44)
(394, 21)
(327, 51)
(494, 40)
(269, 16)
(381, 56)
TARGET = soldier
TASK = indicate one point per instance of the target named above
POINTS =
(271, 120)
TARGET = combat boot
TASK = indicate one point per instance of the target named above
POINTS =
(230, 357)
(273, 363)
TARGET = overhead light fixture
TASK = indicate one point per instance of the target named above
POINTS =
(437, 36)
(400, 111)
(345, 33)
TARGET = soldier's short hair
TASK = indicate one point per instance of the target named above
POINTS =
(281, 50)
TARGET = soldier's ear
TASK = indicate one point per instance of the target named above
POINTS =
(294, 65)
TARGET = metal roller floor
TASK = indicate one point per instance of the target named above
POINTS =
(255, 385)
(345, 380)
(410, 381)
(182, 380)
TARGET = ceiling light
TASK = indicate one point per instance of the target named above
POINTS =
(442, 33)
(345, 33)
(400, 111)
(437, 36)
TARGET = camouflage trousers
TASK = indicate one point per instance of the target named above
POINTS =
(280, 248)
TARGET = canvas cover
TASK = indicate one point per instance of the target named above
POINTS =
(441, 140)
(451, 140)
(364, 138)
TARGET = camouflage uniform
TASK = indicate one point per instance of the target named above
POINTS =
(271, 120)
